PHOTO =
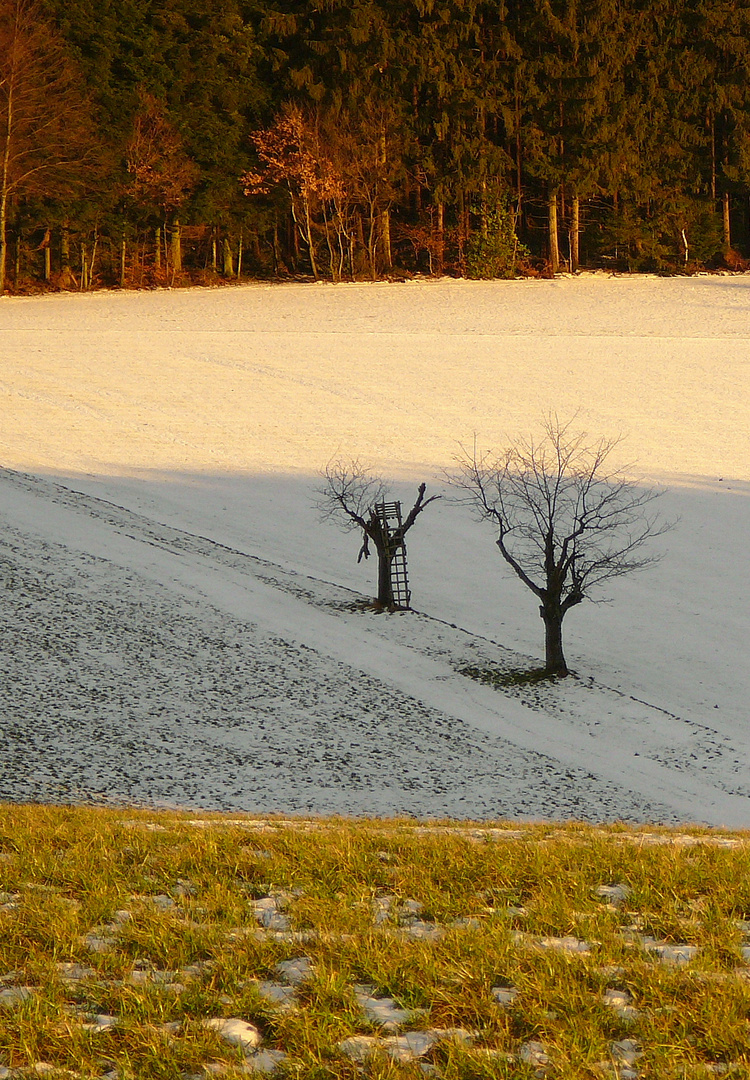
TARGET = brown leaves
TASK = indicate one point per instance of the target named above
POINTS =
(162, 172)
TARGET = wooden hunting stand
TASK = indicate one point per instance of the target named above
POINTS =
(392, 531)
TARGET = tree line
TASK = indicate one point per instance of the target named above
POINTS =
(153, 141)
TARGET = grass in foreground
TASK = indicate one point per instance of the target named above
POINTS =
(130, 929)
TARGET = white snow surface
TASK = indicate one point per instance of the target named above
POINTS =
(180, 629)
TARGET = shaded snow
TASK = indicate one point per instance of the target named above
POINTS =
(179, 629)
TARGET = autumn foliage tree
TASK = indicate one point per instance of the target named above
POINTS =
(292, 155)
(45, 132)
(161, 173)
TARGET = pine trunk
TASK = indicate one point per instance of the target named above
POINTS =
(575, 232)
(157, 248)
(440, 247)
(554, 247)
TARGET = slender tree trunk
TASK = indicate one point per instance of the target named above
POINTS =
(3, 240)
(176, 244)
(7, 135)
(66, 272)
(385, 236)
(123, 261)
(575, 232)
(48, 255)
(713, 156)
(440, 247)
(94, 247)
(17, 267)
(213, 254)
(461, 234)
(726, 222)
(553, 647)
(239, 257)
(157, 248)
(554, 247)
(309, 238)
(228, 260)
(519, 191)
(276, 259)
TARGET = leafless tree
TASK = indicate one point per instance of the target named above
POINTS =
(566, 522)
(45, 135)
(349, 496)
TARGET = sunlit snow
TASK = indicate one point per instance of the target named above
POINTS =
(180, 629)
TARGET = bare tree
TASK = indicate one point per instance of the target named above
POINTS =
(566, 522)
(45, 139)
(349, 495)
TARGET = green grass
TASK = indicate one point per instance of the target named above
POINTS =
(73, 869)
(505, 679)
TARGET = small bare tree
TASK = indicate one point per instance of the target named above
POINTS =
(566, 523)
(349, 495)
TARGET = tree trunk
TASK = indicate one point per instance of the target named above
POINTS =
(385, 588)
(176, 245)
(554, 247)
(66, 272)
(157, 248)
(309, 239)
(726, 222)
(440, 246)
(123, 260)
(385, 236)
(228, 260)
(554, 657)
(575, 231)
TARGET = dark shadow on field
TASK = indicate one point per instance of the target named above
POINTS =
(116, 687)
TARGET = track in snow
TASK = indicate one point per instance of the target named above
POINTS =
(120, 683)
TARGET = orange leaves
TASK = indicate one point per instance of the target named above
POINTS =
(293, 154)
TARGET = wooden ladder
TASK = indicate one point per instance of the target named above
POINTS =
(389, 516)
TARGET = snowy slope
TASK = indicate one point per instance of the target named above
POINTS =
(181, 629)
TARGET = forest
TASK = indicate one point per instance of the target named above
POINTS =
(162, 142)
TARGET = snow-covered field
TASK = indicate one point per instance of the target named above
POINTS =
(179, 628)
